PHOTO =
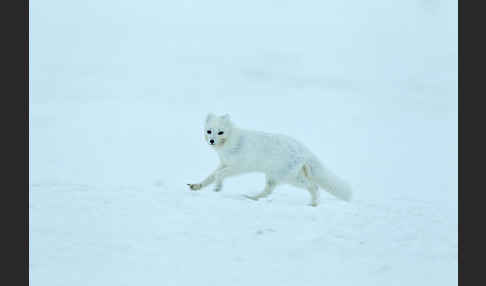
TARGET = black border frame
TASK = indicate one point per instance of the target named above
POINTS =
(14, 118)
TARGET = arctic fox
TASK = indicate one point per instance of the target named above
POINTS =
(282, 159)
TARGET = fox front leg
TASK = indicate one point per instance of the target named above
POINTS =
(214, 176)
(195, 187)
(203, 184)
(221, 174)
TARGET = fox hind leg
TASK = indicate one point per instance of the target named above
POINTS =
(303, 180)
(314, 192)
(218, 185)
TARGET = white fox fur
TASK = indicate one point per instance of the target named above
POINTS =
(282, 159)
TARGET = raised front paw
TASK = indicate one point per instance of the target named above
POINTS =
(195, 187)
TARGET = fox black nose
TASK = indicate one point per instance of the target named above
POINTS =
(211, 141)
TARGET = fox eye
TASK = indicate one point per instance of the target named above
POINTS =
(209, 131)
(220, 133)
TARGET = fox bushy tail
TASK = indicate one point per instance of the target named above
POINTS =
(330, 182)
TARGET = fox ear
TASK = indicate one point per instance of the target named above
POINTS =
(225, 117)
(209, 117)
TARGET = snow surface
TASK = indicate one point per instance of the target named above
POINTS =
(118, 95)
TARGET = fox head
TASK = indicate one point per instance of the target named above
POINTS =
(217, 129)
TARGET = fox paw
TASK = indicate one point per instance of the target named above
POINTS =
(255, 198)
(195, 187)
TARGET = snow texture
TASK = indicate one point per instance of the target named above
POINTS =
(119, 91)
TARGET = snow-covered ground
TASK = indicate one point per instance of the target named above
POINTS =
(118, 95)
